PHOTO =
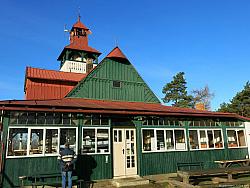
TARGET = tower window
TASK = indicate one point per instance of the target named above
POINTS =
(117, 84)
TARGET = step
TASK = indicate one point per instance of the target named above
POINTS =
(131, 181)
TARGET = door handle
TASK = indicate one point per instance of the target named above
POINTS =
(122, 151)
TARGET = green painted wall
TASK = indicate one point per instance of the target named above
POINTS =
(88, 167)
(99, 83)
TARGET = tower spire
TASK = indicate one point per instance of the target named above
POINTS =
(79, 14)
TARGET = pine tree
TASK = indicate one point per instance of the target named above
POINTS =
(240, 104)
(176, 92)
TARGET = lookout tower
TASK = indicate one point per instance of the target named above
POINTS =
(78, 56)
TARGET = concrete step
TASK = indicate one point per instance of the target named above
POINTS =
(131, 181)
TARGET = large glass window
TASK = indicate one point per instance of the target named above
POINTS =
(51, 141)
(236, 138)
(95, 140)
(204, 139)
(160, 139)
(68, 135)
(148, 140)
(163, 139)
(170, 139)
(39, 141)
(17, 144)
(193, 139)
(36, 141)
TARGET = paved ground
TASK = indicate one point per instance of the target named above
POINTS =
(155, 181)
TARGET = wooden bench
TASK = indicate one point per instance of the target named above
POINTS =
(185, 175)
(52, 179)
(190, 165)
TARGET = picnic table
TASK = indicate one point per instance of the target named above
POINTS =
(228, 163)
(187, 174)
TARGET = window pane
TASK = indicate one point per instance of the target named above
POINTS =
(66, 119)
(87, 120)
(241, 137)
(96, 120)
(203, 139)
(58, 118)
(104, 120)
(218, 139)
(17, 145)
(49, 118)
(68, 135)
(102, 140)
(13, 117)
(179, 140)
(88, 144)
(51, 142)
(40, 118)
(210, 139)
(74, 120)
(160, 140)
(170, 139)
(193, 139)
(31, 118)
(148, 140)
(36, 141)
(232, 138)
(22, 118)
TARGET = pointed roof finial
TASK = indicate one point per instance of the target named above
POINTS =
(79, 14)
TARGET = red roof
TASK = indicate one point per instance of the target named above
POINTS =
(80, 46)
(43, 84)
(110, 107)
(80, 25)
(53, 75)
(116, 53)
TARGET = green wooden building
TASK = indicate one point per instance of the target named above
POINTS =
(112, 120)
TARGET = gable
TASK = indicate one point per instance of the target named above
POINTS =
(99, 83)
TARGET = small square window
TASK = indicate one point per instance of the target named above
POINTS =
(117, 84)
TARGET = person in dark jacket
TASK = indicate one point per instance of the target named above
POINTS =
(67, 158)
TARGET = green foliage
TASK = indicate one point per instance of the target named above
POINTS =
(176, 92)
(240, 104)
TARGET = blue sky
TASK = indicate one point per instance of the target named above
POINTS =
(209, 40)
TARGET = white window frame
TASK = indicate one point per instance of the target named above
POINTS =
(155, 139)
(44, 138)
(237, 129)
(96, 128)
(198, 131)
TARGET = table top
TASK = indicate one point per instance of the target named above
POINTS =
(232, 161)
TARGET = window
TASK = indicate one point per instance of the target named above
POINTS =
(51, 141)
(95, 119)
(205, 139)
(68, 135)
(18, 138)
(95, 140)
(34, 141)
(163, 139)
(148, 140)
(170, 139)
(117, 84)
(236, 138)
(180, 140)
(41, 118)
(193, 139)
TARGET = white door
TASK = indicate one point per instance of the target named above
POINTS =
(124, 152)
